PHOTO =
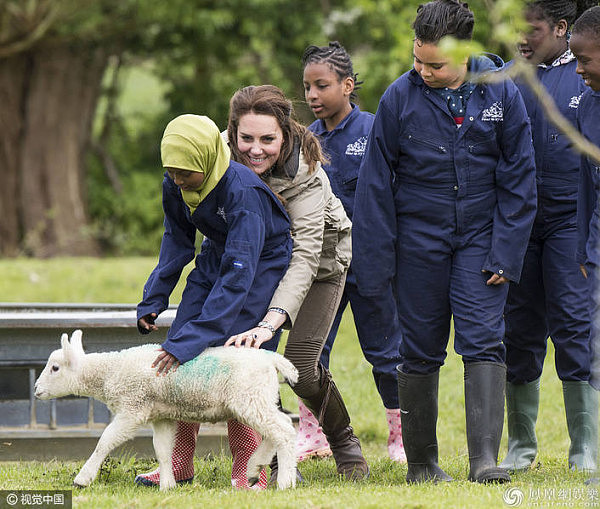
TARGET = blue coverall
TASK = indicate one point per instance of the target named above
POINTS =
(375, 318)
(437, 205)
(588, 217)
(551, 297)
(245, 252)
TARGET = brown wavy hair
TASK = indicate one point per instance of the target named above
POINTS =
(270, 100)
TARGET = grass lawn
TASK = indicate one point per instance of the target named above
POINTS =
(121, 280)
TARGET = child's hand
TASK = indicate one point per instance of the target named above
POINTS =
(165, 361)
(146, 323)
(496, 279)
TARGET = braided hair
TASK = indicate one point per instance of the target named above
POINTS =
(588, 23)
(440, 18)
(554, 10)
(338, 59)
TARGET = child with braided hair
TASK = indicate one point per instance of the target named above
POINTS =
(330, 86)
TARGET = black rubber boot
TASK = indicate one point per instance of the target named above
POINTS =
(418, 414)
(484, 408)
(328, 407)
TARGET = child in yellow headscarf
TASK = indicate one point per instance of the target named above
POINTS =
(245, 252)
(190, 151)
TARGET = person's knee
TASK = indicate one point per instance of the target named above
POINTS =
(308, 385)
(309, 369)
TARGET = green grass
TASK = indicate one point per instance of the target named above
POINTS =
(110, 280)
(121, 280)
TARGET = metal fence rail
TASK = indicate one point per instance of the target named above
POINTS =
(67, 428)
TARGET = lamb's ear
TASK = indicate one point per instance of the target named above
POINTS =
(64, 343)
(76, 342)
(70, 350)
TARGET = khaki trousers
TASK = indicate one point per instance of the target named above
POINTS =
(306, 339)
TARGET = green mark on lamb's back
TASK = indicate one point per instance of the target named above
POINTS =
(202, 368)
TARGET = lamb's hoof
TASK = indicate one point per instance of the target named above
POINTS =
(273, 483)
(81, 482)
(144, 481)
(78, 483)
(168, 486)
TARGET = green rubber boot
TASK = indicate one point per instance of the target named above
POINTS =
(522, 403)
(581, 407)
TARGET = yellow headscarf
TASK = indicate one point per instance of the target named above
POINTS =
(194, 143)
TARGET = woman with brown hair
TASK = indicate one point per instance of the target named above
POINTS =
(264, 136)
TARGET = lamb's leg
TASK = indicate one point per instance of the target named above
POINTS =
(277, 429)
(164, 440)
(260, 459)
(278, 435)
(285, 443)
(121, 429)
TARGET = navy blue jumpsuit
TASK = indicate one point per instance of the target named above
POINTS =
(375, 318)
(245, 252)
(436, 205)
(588, 218)
(551, 297)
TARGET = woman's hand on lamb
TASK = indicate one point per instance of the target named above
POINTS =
(263, 332)
(146, 323)
(252, 338)
(164, 362)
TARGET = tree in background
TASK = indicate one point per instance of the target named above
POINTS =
(78, 180)
(49, 84)
(53, 57)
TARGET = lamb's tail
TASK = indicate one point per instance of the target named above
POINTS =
(286, 368)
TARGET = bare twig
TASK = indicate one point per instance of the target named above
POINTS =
(41, 16)
(579, 143)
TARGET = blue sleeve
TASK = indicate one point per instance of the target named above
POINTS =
(516, 192)
(176, 251)
(235, 279)
(374, 219)
(586, 203)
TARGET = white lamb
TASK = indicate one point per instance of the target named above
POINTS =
(220, 384)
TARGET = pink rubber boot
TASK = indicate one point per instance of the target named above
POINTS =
(182, 458)
(395, 445)
(310, 440)
(243, 441)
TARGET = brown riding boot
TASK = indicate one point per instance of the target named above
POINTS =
(328, 406)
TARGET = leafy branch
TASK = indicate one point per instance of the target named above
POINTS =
(508, 30)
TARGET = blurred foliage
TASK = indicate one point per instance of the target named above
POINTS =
(201, 52)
